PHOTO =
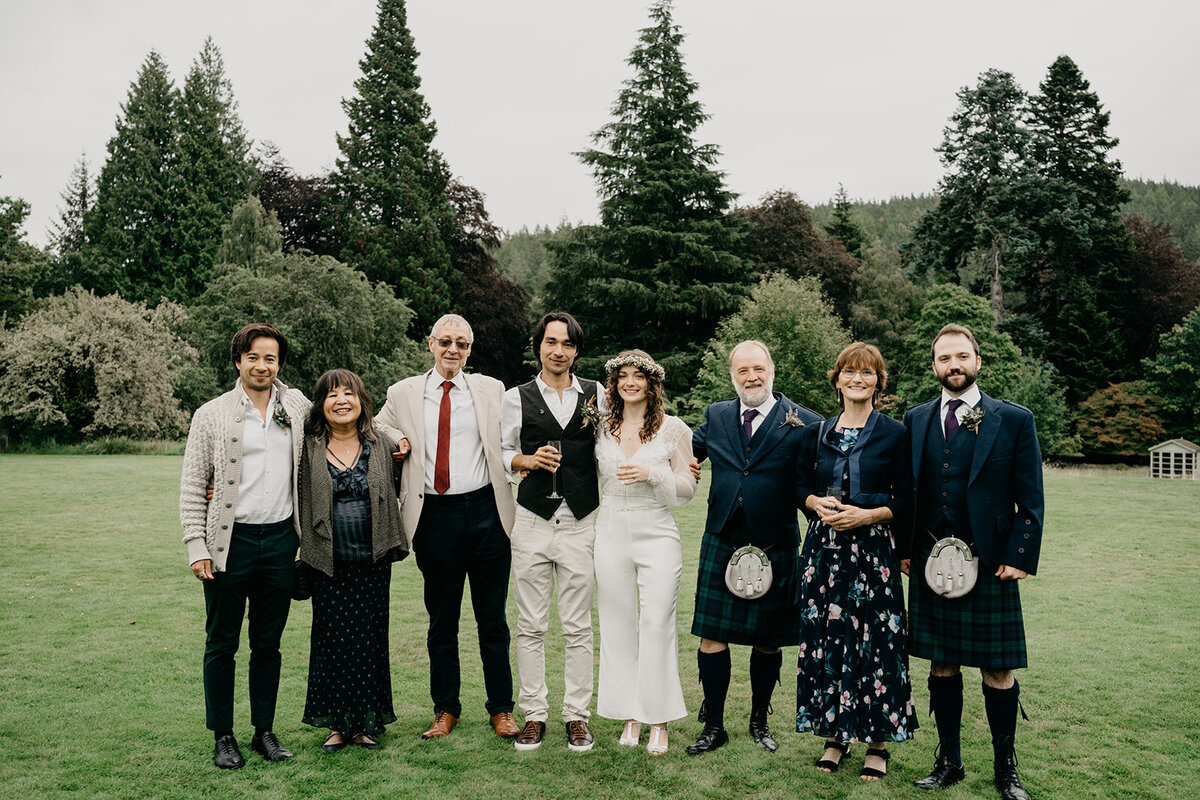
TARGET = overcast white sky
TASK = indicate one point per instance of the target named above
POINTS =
(802, 95)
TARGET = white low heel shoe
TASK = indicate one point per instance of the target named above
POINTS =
(656, 745)
(630, 734)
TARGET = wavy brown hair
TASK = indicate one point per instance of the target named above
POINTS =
(655, 399)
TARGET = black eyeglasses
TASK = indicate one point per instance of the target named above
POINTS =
(446, 344)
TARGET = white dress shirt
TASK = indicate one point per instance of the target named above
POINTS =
(265, 490)
(764, 411)
(970, 398)
(468, 464)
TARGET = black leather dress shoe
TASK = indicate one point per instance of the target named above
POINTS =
(1007, 781)
(945, 773)
(762, 734)
(226, 754)
(270, 748)
(710, 739)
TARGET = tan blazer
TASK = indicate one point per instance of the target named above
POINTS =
(404, 411)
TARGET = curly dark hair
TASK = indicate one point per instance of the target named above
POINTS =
(655, 400)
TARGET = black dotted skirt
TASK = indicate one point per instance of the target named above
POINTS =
(349, 676)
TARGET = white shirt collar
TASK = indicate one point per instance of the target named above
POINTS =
(763, 410)
(246, 401)
(543, 387)
(435, 380)
(970, 397)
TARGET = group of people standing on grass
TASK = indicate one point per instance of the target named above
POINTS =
(598, 465)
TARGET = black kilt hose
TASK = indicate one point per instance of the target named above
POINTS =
(983, 628)
(769, 622)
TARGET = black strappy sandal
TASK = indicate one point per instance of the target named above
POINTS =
(870, 773)
(832, 766)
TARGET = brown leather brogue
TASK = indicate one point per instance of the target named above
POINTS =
(504, 724)
(443, 723)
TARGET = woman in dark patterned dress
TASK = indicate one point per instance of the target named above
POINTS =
(350, 535)
(852, 677)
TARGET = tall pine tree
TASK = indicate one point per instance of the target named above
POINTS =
(662, 268)
(980, 233)
(844, 228)
(132, 230)
(215, 169)
(398, 223)
(1081, 290)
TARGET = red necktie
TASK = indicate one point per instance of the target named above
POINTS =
(441, 465)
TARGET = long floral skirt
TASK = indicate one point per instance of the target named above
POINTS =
(852, 679)
(349, 675)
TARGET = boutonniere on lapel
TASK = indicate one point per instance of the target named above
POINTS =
(281, 416)
(590, 414)
(971, 419)
(792, 418)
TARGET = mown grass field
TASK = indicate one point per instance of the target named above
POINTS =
(101, 636)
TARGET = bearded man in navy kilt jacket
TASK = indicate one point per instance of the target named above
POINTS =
(752, 443)
(977, 476)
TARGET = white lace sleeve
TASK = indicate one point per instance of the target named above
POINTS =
(674, 484)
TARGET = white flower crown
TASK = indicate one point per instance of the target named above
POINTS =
(647, 365)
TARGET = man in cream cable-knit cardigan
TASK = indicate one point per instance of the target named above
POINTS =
(242, 544)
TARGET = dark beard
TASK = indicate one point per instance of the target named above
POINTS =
(968, 382)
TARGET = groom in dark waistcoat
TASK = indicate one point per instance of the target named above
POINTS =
(977, 476)
(553, 536)
(752, 442)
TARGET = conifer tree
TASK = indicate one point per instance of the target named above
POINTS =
(398, 224)
(66, 232)
(132, 241)
(844, 228)
(982, 214)
(215, 169)
(663, 267)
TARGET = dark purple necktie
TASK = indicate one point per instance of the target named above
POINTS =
(951, 417)
(747, 422)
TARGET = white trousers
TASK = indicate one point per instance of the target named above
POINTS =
(543, 551)
(638, 564)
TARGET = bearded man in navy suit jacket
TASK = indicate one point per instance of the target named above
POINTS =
(752, 443)
(977, 476)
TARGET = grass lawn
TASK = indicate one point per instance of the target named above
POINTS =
(101, 637)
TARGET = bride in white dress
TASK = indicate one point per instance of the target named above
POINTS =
(642, 458)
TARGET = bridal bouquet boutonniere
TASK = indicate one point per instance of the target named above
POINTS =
(590, 414)
(971, 420)
(281, 416)
(793, 419)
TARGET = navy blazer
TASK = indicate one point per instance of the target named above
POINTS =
(761, 472)
(879, 470)
(1005, 504)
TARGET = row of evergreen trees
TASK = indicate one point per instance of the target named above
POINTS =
(1025, 240)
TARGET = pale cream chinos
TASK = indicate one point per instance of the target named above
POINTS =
(544, 551)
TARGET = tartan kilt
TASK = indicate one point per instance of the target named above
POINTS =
(981, 629)
(771, 621)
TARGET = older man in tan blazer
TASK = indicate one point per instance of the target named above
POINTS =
(459, 507)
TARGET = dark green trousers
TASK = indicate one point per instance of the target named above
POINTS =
(259, 571)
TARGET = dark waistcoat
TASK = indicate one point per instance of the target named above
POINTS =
(945, 468)
(577, 473)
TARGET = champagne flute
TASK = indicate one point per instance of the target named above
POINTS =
(554, 495)
(833, 491)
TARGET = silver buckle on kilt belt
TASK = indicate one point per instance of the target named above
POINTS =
(748, 574)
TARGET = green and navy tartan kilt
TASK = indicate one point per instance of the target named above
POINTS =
(983, 628)
(770, 621)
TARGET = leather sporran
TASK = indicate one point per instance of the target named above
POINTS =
(748, 574)
(951, 569)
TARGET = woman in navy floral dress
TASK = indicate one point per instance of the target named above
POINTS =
(852, 677)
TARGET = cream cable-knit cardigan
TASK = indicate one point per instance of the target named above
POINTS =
(214, 455)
